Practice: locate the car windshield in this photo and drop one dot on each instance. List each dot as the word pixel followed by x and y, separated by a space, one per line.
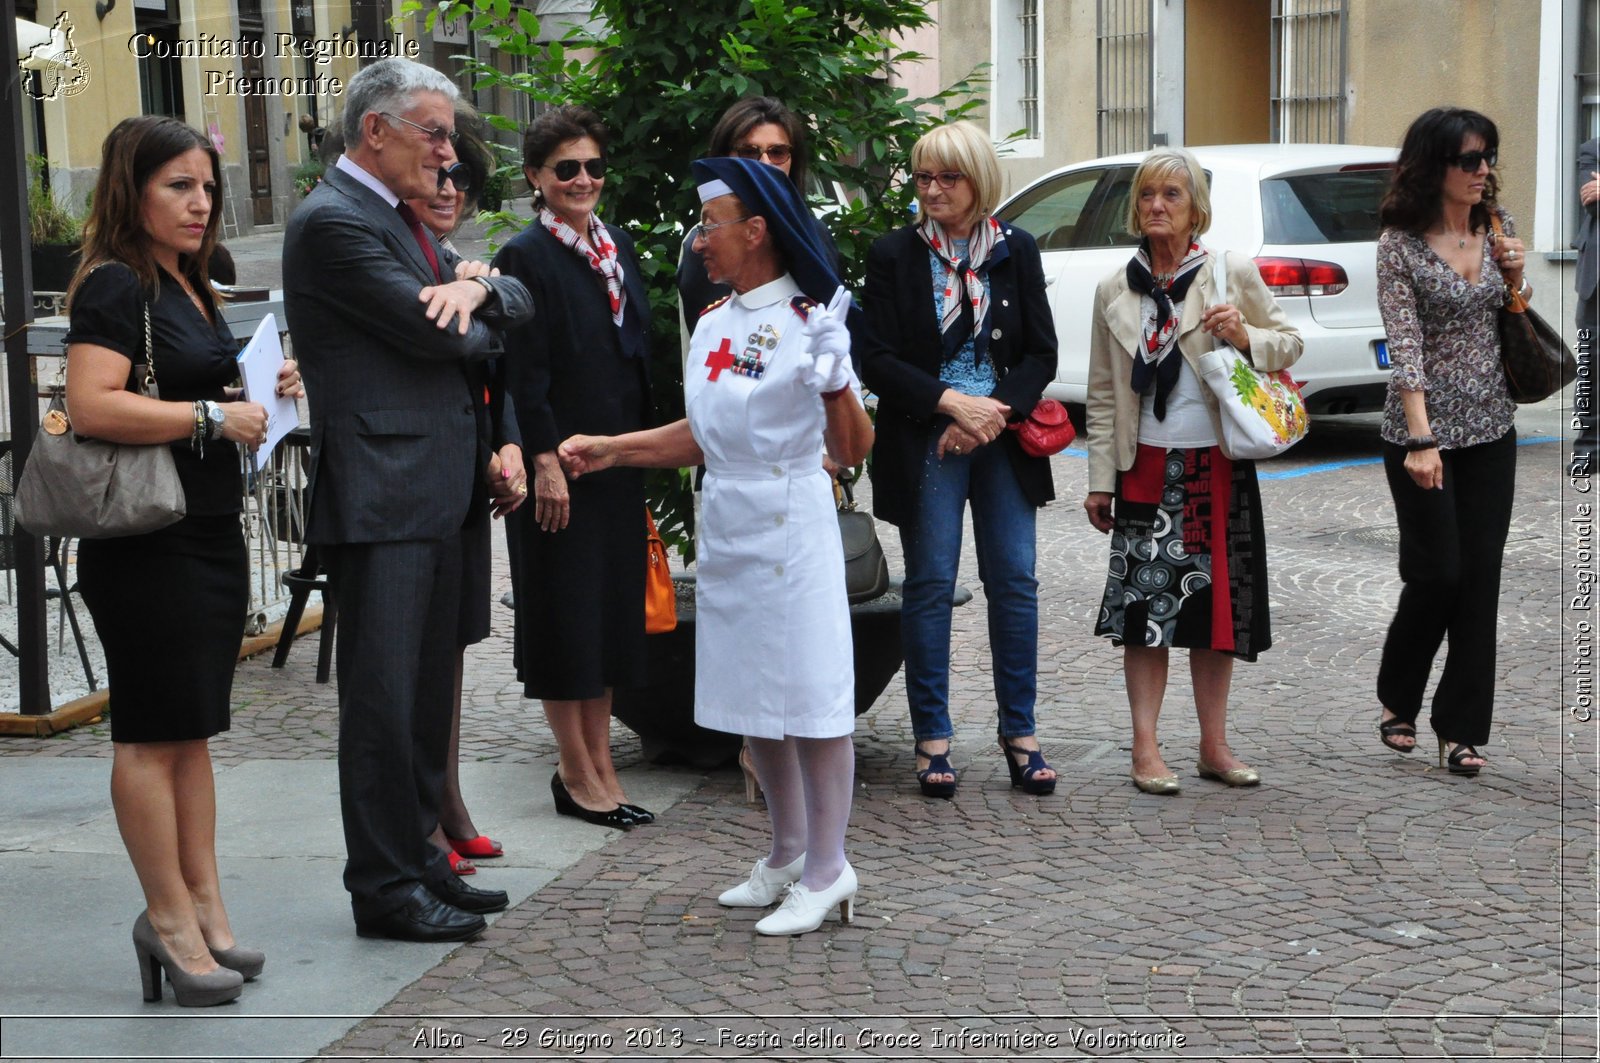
pixel 1340 207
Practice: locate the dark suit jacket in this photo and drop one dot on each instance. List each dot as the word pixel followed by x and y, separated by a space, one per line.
pixel 394 430
pixel 902 356
pixel 1589 231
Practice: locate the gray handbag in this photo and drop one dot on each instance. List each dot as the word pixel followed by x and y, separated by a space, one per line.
pixel 81 488
pixel 866 573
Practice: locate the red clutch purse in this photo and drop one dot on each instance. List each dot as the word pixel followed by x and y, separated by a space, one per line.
pixel 1045 431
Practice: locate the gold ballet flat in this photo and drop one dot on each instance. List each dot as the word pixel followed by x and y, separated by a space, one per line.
pixel 1233 776
pixel 1156 784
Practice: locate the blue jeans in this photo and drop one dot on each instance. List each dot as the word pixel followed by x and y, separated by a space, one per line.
pixel 1003 531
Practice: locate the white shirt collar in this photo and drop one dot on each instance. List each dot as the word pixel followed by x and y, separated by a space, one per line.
pixel 367 179
pixel 774 291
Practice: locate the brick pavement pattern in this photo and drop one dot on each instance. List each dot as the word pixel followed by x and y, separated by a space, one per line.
pixel 1358 904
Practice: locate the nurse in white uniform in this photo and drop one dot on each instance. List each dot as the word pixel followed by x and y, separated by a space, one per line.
pixel 768 389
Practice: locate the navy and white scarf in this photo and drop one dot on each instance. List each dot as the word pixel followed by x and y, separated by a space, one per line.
pixel 1151 363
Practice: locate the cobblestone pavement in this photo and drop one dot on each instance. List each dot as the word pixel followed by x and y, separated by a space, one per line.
pixel 1358 904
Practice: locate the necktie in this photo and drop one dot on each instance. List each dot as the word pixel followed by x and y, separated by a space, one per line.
pixel 409 216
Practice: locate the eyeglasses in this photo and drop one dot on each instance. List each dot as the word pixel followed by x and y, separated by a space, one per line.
pixel 703 230
pixel 567 169
pixel 458 175
pixel 778 153
pixel 436 136
pixel 1469 161
pixel 947 179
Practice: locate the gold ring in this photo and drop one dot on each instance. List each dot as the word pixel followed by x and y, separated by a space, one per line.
pixel 522 489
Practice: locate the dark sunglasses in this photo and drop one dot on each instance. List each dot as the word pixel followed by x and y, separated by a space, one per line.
pixel 457 174
pixel 778 153
pixel 947 179
pixel 1469 161
pixel 567 169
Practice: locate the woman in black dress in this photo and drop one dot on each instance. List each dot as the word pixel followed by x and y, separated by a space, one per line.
pixel 580 367
pixel 169 606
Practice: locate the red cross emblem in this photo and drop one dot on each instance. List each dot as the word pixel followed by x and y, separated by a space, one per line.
pixel 720 359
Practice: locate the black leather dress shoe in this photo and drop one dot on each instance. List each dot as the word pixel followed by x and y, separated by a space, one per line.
pixel 423 917
pixel 469 898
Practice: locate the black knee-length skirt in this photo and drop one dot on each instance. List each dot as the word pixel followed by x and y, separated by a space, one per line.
pixel 169 608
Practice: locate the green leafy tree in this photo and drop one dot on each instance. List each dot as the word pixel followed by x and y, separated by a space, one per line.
pixel 660 72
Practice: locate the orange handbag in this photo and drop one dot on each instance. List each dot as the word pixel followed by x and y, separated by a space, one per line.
pixel 660 600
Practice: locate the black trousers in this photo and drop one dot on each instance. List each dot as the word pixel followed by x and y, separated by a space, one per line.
pixel 398 614
pixel 1584 391
pixel 1452 542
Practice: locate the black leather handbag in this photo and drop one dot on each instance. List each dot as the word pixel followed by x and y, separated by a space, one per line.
pixel 866 572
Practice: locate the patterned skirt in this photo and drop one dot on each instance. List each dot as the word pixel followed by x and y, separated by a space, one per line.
pixel 1188 555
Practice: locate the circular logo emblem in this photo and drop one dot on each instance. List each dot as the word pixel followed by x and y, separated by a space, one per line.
pixel 55 423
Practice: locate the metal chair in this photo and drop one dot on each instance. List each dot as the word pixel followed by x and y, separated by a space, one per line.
pixel 56 552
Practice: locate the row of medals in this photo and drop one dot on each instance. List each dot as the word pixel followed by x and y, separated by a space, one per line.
pixel 748 362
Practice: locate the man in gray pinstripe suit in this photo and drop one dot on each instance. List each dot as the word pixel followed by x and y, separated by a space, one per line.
pixel 384 326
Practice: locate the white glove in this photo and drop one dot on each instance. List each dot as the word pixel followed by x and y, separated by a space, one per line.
pixel 828 341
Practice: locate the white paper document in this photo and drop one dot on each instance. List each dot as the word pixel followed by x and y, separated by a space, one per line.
pixel 258 369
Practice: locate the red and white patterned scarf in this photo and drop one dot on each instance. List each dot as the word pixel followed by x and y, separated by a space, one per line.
pixel 596 247
pixel 967 273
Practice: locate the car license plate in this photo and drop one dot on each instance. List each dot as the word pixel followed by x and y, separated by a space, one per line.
pixel 1381 349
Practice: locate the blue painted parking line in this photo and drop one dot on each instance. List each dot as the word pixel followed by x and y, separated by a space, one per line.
pixel 1334 466
pixel 1325 466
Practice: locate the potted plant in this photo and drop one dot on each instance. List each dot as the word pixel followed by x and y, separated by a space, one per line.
pixel 306 177
pixel 53 230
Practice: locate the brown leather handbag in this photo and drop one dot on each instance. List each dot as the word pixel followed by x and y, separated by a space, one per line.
pixel 1537 361
pixel 660 599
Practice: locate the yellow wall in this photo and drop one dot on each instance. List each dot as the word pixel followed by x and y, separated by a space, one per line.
pixel 1227 71
pixel 1406 58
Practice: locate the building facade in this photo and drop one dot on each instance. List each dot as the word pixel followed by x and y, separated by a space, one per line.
pixel 1075 79
pixel 264 78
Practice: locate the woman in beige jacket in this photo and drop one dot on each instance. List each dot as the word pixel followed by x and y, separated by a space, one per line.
pixel 1188 551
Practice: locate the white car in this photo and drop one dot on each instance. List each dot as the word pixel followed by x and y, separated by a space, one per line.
pixel 1307 213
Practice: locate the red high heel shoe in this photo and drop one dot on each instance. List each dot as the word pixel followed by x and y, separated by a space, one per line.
pixel 460 864
pixel 482 847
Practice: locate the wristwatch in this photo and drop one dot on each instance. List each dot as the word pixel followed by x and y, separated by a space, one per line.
pixel 487 287
pixel 214 419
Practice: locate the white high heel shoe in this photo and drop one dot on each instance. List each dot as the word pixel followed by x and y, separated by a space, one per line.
pixel 804 910
pixel 764 885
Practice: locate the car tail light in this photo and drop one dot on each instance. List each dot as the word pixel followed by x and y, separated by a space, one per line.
pixel 1302 276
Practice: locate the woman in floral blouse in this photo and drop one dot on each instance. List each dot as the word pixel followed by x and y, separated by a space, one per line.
pixel 1449 449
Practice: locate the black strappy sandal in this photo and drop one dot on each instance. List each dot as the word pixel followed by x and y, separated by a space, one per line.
pixel 1456 760
pixel 1397 728
pixel 1026 776
pixel 938 764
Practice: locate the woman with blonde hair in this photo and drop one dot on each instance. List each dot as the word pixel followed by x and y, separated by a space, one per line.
pixel 1188 551
pixel 960 342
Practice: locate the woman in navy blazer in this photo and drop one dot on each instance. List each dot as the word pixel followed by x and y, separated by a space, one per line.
pixel 959 342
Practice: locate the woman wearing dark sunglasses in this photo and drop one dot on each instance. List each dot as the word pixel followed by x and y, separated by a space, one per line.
pixel 959 342
pixel 580 366
pixel 1449 448
pixel 761 129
